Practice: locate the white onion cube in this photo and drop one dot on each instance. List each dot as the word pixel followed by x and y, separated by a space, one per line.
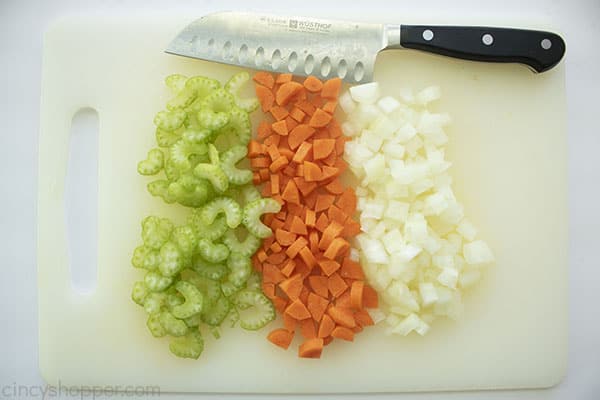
pixel 345 101
pixel 365 93
pixel 388 104
pixel 428 293
pixel 392 241
pixel 448 277
pixel 477 252
pixel 467 230
pixel 428 95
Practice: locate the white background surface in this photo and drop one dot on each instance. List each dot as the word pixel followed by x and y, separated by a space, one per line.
pixel 22 24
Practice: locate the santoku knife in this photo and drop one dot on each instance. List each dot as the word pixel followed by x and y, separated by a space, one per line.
pixel 329 48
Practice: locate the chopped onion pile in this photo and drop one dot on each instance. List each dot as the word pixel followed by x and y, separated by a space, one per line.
pixel 416 247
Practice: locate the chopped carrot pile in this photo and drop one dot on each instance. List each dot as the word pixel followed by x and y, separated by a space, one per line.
pixel 306 265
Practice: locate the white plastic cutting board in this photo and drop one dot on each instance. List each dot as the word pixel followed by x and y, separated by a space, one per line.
pixel 507 145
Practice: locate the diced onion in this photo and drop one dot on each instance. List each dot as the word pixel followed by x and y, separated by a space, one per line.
pixel 416 247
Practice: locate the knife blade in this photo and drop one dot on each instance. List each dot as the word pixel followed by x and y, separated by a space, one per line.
pixel 331 48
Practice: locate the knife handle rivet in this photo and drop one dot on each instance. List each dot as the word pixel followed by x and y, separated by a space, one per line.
pixel 487 39
pixel 428 34
pixel 546 44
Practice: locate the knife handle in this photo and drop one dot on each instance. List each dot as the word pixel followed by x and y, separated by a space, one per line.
pixel 538 49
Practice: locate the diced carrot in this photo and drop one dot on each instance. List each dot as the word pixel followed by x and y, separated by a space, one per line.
pixel 286 92
pixel 363 318
pixel 322 222
pixel 308 257
pixel 319 119
pixel 263 130
pixel 285 238
pixel 321 133
pixel 297 114
pixel 280 304
pixel 283 78
pixel 337 215
pixel 317 101
pixel 331 88
pixel 300 170
pixel 284 151
pixel 329 172
pixel 330 106
pixel 291 123
pixel 299 134
pixel 351 269
pixel 289 171
pixel 295 247
pixel 316 306
pixel 336 285
pixel 272 140
pixel 281 337
pixel 276 258
pixel 356 294
pixel 326 326
pixel 324 201
pixel 279 113
pixel 273 152
pixel 322 148
pixel 333 230
pixel 347 201
pixel 302 152
pixel 312 172
pixel 307 328
pixel 343 300
pixel 261 255
pixel 313 84
pixel 311 199
pixel 303 269
pixel 370 299
pixel 336 248
pixel 280 127
pixel 313 241
pixel 276 224
pixel 330 159
pixel 311 348
pixel 310 218
pixel 304 187
pixel 256 178
pixel 255 149
pixel 266 191
pixel 278 164
pixel 306 106
pixel 265 97
pixel 290 193
pixel 289 322
pixel 260 162
pixel 275 247
pixel 342 316
pixel 335 130
pixel 351 228
pixel 271 274
pixel 318 283
pixel 297 310
pixel 264 78
pixel 334 187
pixel 329 266
pixel 288 268
pixel 268 289
pixel 298 226
pixel 264 174
pixel 340 144
pixel 340 332
pixel 292 286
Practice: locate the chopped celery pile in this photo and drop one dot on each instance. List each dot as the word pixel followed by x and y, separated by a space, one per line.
pixel 199 273
pixel 201 136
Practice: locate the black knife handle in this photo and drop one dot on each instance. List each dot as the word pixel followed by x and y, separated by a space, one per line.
pixel 538 49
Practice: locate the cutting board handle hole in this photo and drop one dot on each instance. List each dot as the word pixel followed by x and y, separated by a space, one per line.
pixel 81 200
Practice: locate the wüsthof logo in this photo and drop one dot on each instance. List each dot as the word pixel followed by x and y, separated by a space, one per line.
pixel 293 23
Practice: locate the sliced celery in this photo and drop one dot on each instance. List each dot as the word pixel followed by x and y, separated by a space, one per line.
pixel 154 326
pixel 247 247
pixel 170 120
pixel 228 160
pixel 156 282
pixel 139 293
pixel 234 85
pixel 214 271
pixel 252 213
pixel 217 312
pixel 156 231
pixel 173 325
pixel 193 300
pixel 255 309
pixel 213 252
pixel 171 259
pixel 225 205
pixel 175 82
pixel 188 346
pixel 153 163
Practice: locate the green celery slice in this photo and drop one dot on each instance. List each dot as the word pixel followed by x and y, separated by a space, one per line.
pixel 171 259
pixel 154 326
pixel 173 326
pixel 139 293
pixel 170 120
pixel 240 267
pixel 156 282
pixel 213 252
pixel 176 82
pixel 214 271
pixel 252 213
pixel 255 309
pixel 228 160
pixel 247 247
pixel 193 300
pixel 217 312
pixel 153 163
pixel 156 231
pixel 189 346
pixel 225 205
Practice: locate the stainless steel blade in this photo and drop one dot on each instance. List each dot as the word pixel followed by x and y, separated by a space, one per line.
pixel 302 46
